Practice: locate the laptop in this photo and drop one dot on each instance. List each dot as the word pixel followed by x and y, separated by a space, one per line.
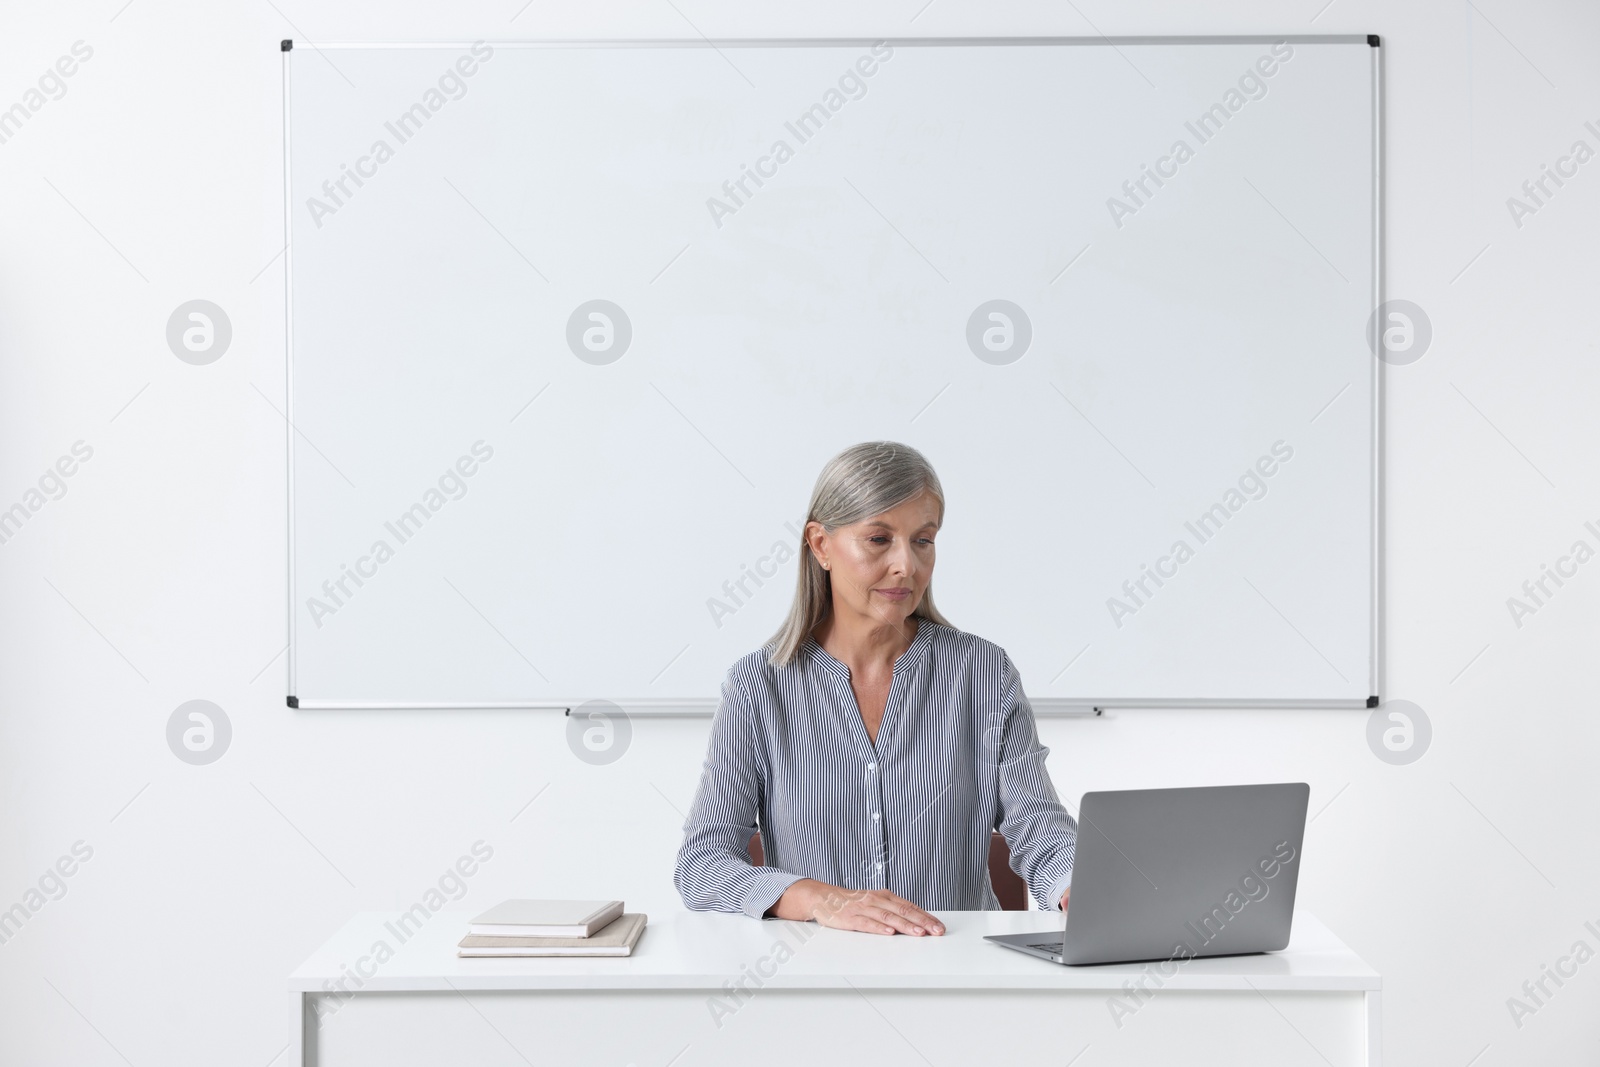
pixel 1162 874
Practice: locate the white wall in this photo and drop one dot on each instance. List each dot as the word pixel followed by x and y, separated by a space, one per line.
pixel 158 577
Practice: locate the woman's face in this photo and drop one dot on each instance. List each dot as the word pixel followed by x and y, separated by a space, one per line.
pixel 880 567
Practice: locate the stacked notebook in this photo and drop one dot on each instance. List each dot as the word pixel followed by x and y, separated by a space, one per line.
pixel 553 928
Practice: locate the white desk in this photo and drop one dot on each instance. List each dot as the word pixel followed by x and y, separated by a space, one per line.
pixel 824 996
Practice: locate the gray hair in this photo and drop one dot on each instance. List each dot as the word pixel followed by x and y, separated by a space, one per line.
pixel 859 483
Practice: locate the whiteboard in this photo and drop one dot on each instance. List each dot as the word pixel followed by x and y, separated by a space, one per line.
pixel 573 327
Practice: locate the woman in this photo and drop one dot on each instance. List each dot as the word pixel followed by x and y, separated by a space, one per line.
pixel 876 746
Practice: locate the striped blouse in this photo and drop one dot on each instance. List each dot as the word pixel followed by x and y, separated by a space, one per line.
pixel 956 757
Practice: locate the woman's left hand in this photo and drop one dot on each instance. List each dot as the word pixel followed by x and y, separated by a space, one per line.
pixel 1064 897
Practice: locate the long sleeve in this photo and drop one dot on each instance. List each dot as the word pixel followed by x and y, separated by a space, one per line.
pixel 1038 830
pixel 714 872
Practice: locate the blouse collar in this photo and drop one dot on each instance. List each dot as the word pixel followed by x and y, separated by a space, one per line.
pixel 908 661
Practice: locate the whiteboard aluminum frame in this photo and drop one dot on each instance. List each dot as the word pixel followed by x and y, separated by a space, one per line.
pixel 701 707
pixel 288 363
pixel 1043 706
pixel 1379 291
pixel 854 42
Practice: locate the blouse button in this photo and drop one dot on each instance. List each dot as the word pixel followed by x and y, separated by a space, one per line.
pixel 875 815
pixel 872 766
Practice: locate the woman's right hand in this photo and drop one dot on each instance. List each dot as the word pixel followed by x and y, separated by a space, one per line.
pixel 871 911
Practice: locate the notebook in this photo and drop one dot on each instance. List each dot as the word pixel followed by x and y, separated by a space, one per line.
pixel 545 918
pixel 617 939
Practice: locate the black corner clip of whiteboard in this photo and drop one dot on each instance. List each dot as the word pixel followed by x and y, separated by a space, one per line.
pixel 294 702
pixel 1372 702
pixel 287 45
pixel 1372 40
